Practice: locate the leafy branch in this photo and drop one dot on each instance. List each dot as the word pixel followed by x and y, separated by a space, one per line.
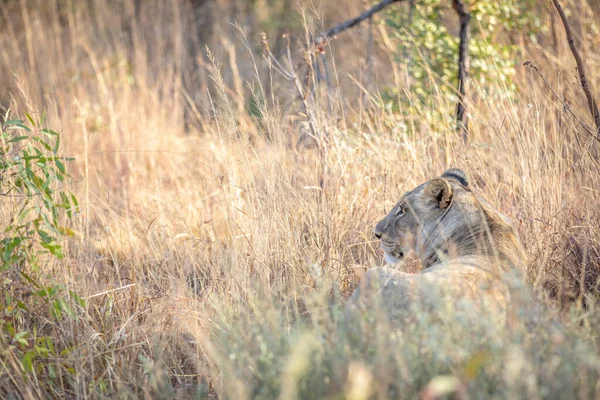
pixel 33 178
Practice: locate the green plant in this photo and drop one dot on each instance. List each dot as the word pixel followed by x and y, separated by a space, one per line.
pixel 430 53
pixel 33 181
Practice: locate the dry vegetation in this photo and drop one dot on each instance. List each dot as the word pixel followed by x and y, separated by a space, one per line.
pixel 215 247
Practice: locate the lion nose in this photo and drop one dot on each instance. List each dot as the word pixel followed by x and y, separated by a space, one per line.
pixel 379 228
pixel 377 233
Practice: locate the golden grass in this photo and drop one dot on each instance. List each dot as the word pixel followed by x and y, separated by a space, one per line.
pixel 209 239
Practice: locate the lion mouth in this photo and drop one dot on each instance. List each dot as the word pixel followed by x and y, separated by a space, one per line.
pixel 393 259
pixel 393 254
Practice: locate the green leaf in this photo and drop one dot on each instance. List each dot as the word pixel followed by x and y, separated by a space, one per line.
pixel 10 328
pixel 66 352
pixel 50 345
pixel 74 201
pixel 19 126
pixel 43 143
pixel 77 299
pixel 21 338
pixel 17 139
pixel 56 310
pixel 30 279
pixel 24 214
pixel 27 361
pixel 60 166
pixel 49 132
pixel 30 118
pixel 56 145
pixel 66 309
pixel 54 249
pixel 52 371
pixel 66 231
pixel 22 305
pixel 42 351
pixel 10 244
pixel 45 237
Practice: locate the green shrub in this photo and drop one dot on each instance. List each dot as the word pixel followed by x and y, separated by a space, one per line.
pixel 316 355
pixel 429 53
pixel 35 207
pixel 33 181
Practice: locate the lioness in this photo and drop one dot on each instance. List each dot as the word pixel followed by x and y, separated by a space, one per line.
pixel 464 245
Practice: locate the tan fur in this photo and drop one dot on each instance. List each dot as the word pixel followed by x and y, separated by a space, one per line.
pixel 464 245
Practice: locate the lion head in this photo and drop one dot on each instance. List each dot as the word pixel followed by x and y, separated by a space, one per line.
pixel 443 219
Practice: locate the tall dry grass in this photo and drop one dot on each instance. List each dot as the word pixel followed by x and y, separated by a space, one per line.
pixel 215 249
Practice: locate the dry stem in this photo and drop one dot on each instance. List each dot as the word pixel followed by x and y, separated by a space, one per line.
pixel 580 67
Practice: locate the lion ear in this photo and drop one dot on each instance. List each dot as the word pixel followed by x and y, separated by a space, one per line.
pixel 440 191
pixel 459 175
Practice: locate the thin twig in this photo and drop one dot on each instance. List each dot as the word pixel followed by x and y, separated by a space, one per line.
pixel 109 291
pixel 463 59
pixel 323 58
pixel 272 60
pixel 580 67
pixel 354 21
pixel 290 74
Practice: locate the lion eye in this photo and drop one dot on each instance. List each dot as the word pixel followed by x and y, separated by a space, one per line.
pixel 399 212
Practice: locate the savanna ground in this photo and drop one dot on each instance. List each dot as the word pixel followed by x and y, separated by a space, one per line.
pixel 215 240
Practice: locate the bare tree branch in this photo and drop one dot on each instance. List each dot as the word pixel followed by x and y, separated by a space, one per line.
pixel 463 60
pixel 463 55
pixel 351 22
pixel 580 67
